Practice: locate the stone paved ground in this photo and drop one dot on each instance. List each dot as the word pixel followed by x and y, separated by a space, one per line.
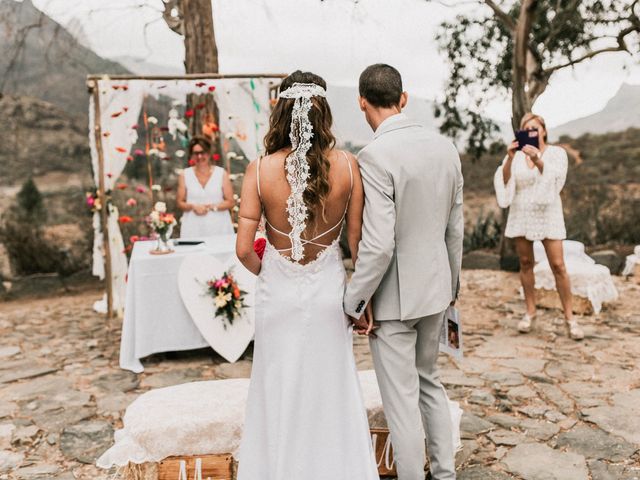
pixel 537 407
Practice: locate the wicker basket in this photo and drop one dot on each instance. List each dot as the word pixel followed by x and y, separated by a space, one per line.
pixel 550 299
pixel 224 467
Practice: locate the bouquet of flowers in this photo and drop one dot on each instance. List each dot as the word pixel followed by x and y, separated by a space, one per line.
pixel 227 297
pixel 162 222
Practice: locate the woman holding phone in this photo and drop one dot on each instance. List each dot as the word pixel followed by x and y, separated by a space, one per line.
pixel 529 181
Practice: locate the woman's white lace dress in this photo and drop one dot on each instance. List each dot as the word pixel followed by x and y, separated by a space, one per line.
pixel 534 197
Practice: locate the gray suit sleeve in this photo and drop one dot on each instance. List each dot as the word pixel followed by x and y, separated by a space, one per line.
pixel 454 235
pixel 377 244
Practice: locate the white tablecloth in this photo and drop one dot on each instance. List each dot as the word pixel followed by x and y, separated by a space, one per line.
pixel 155 318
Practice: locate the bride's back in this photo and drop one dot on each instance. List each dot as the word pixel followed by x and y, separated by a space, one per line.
pixel 327 220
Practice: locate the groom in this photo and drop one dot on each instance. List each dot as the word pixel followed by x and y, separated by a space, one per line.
pixel 407 270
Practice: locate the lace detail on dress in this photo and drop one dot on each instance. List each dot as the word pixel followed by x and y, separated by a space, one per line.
pixel 296 164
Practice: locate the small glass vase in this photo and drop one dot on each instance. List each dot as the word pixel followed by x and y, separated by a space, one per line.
pixel 163 241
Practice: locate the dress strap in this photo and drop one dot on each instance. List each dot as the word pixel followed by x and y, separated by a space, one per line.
pixel 351 182
pixel 258 177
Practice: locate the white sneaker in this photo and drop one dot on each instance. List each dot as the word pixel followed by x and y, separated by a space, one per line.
pixel 524 325
pixel 575 331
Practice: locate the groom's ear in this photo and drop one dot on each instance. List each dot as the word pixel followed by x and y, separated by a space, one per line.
pixel 363 103
pixel 404 98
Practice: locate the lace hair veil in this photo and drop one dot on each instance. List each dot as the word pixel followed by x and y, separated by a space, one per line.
pixel 296 164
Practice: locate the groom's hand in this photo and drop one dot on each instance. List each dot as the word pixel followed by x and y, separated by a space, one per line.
pixel 359 324
pixel 368 314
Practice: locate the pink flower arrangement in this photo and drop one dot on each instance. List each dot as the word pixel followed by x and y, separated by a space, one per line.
pixel 140 189
pixel 132 202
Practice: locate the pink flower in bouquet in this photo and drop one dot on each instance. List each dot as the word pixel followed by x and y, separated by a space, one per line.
pixel 140 189
pixel 138 153
pixel 90 200
pixel 134 238
pixel 132 202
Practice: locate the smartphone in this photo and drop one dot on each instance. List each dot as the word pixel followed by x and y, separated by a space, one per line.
pixel 527 137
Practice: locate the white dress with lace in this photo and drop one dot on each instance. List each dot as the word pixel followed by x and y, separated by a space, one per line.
pixel 305 415
pixel 533 197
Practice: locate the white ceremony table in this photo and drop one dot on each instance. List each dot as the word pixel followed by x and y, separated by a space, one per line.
pixel 155 317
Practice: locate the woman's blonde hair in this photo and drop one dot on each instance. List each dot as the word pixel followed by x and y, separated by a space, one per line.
pixel 532 116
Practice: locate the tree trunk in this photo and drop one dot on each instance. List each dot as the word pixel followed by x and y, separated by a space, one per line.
pixel 520 105
pixel 200 56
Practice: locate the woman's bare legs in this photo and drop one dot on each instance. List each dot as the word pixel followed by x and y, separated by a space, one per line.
pixel 524 248
pixel 555 255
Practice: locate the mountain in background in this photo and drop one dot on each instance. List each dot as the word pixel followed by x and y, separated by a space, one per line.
pixel 140 66
pixel 40 58
pixel 620 113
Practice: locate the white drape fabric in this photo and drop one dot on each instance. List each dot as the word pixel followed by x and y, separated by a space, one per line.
pixel 244 115
pixel 632 261
pixel 588 279
pixel 200 418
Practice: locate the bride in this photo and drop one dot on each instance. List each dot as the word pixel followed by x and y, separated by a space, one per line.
pixel 305 415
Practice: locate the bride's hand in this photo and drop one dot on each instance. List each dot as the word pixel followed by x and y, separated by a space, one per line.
pixel 368 314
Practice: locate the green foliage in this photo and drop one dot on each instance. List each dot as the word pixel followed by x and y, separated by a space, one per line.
pixel 30 202
pixel 480 49
pixel 484 234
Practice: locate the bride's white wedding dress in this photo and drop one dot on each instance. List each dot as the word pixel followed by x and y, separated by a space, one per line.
pixel 305 417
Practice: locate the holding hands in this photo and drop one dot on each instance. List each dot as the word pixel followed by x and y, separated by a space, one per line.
pixel 364 325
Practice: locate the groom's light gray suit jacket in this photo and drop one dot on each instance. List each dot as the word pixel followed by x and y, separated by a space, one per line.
pixel 411 247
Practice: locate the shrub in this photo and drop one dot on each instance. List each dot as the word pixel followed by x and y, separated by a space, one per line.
pixel 484 234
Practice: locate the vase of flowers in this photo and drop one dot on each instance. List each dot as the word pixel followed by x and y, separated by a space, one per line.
pixel 162 224
pixel 227 296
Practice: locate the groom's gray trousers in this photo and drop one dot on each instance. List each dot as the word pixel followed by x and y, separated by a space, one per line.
pixel 404 356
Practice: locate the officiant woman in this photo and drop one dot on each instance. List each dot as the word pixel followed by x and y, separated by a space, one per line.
pixel 205 194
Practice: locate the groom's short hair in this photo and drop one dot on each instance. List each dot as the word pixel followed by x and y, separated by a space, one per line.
pixel 381 85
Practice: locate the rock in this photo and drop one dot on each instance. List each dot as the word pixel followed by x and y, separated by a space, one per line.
pixel 173 377
pixel 534 410
pixel 52 439
pixel 504 379
pixel 114 405
pixel 596 444
pixel 9 351
pixel 37 471
pixel 608 258
pixel 519 394
pixel 25 435
pixel 507 437
pixel 27 371
pixel 621 419
pixel 469 447
pixel 65 476
pixel 241 369
pixel 10 460
pixel 603 471
pixel 554 416
pixel 482 397
pixel 504 421
pixel 481 260
pixel 556 396
pixel 459 379
pixel 120 381
pixel 533 461
pixel 49 385
pixel 525 365
pixel 7 409
pixel 471 426
pixel 539 429
pixel 64 408
pixel 481 473
pixel 86 441
pixel 6 433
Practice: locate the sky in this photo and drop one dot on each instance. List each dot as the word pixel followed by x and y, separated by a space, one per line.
pixel 334 38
